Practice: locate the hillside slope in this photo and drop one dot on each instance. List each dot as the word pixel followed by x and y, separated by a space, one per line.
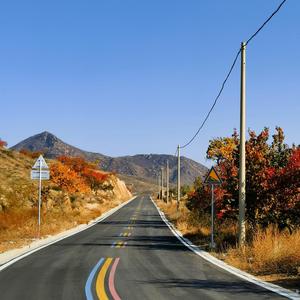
pixel 61 209
pixel 143 166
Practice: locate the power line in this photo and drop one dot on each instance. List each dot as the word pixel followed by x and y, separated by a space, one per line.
pixel 265 23
pixel 229 73
pixel 215 102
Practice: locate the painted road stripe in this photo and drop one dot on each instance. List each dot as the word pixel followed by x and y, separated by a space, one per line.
pixel 58 238
pixel 111 280
pixel 121 244
pixel 113 245
pixel 100 287
pixel 88 285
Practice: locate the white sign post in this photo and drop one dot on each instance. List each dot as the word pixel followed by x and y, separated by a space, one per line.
pixel 212 179
pixel 40 171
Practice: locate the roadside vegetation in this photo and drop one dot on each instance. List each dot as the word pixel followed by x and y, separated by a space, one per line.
pixel 272 206
pixel 76 193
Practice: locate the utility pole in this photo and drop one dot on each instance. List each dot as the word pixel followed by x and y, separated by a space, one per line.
pixel 168 184
pixel 178 176
pixel 162 183
pixel 242 170
pixel 158 182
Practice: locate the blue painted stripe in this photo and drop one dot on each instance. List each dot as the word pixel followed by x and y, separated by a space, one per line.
pixel 113 245
pixel 89 282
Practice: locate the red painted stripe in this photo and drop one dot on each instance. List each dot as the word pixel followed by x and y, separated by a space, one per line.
pixel 111 282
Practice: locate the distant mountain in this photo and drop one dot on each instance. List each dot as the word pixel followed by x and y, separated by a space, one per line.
pixel 138 167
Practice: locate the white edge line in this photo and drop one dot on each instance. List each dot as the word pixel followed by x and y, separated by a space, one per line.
pixel 269 286
pixel 92 223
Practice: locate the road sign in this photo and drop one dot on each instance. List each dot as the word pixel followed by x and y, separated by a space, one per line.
pixel 40 163
pixel 212 177
pixel 35 175
pixel 38 172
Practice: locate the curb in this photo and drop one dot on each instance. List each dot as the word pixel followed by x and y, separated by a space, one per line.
pixel 47 243
pixel 237 272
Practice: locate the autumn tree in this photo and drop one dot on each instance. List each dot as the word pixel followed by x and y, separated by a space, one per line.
pixel 272 179
pixel 67 179
pixel 87 171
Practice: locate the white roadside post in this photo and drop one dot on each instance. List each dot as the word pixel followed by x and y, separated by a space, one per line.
pixel 212 179
pixel 40 171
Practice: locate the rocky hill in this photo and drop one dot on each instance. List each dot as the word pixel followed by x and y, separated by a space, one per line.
pixel 145 167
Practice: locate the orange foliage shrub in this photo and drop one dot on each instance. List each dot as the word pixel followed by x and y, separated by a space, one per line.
pixel 95 178
pixel 78 164
pixel 2 144
pixel 31 154
pixel 89 172
pixel 67 179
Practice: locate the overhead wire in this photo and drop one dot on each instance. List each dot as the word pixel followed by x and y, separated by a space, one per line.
pixel 229 73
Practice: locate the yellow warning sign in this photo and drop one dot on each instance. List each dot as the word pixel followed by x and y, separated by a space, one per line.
pixel 212 177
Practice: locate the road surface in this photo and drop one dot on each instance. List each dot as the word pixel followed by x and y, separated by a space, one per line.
pixel 130 255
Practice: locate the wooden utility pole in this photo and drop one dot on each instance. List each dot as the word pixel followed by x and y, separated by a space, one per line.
pixel 168 183
pixel 162 183
pixel 178 176
pixel 242 167
pixel 158 182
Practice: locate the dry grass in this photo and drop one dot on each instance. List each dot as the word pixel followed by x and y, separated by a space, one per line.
pixel 61 211
pixel 186 223
pixel 272 255
pixel 19 227
pixel 271 252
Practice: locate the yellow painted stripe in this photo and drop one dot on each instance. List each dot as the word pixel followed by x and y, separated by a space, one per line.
pixel 100 287
pixel 119 245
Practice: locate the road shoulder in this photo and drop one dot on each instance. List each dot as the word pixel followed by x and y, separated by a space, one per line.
pixel 9 257
pixel 241 274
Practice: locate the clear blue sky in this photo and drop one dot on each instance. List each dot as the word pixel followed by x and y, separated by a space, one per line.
pixel 127 77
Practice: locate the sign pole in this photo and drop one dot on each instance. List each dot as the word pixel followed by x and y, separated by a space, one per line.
pixel 212 179
pixel 212 244
pixel 40 171
pixel 40 199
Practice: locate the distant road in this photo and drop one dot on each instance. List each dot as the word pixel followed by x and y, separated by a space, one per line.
pixel 130 255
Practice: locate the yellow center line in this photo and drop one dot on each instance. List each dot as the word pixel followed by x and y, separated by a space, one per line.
pixel 119 245
pixel 100 288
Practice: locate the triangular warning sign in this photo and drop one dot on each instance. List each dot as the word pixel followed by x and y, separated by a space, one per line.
pixel 212 177
pixel 40 162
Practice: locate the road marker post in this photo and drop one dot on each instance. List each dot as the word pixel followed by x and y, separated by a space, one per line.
pixel 212 179
pixel 40 171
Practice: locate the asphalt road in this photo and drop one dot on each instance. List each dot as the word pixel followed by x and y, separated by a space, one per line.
pixel 130 255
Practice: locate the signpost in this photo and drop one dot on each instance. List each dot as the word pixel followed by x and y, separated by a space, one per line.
pixel 40 171
pixel 212 179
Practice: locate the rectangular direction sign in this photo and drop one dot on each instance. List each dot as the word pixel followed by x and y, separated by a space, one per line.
pixel 35 175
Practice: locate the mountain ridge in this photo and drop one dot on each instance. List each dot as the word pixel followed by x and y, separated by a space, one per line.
pixel 139 166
